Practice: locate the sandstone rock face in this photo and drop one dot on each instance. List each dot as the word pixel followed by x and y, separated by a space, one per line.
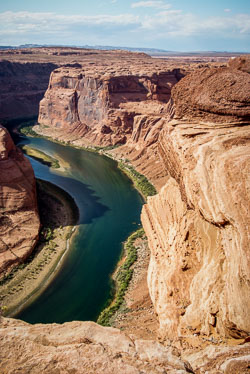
pixel 198 225
pixel 215 360
pixel 241 63
pixel 81 347
pixel 19 221
pixel 101 105
pixel 22 86
pixel 215 95
pixel 85 347
pixel 122 103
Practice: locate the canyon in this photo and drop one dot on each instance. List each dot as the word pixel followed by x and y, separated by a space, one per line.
pixel 186 127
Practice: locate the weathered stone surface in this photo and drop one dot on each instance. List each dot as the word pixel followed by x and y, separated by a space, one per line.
pixel 102 105
pixel 198 225
pixel 85 347
pixel 80 347
pixel 241 63
pixel 19 221
pixel 215 95
pixel 216 360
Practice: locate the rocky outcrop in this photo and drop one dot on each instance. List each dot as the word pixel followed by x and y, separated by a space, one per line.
pixel 85 347
pixel 214 95
pixel 25 73
pixel 19 221
pixel 81 347
pixel 122 103
pixel 102 105
pixel 240 63
pixel 198 225
pixel 22 86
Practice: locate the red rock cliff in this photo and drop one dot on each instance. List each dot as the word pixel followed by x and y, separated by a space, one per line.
pixel 198 225
pixel 100 105
pixel 19 221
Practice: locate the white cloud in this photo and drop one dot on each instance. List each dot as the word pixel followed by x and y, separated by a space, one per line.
pixel 151 4
pixel 121 29
pixel 227 10
pixel 177 23
pixel 25 17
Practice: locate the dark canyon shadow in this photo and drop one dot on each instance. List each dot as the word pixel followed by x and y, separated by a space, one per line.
pixel 88 206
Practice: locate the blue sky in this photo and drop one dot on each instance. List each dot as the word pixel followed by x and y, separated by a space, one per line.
pixel 176 25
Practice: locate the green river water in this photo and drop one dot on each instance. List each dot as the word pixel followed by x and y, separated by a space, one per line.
pixel 109 208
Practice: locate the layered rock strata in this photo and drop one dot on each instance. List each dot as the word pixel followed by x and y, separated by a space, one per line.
pixel 22 86
pixel 24 73
pixel 19 221
pixel 103 106
pixel 198 225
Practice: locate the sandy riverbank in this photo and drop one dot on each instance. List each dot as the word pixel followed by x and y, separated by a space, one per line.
pixel 59 215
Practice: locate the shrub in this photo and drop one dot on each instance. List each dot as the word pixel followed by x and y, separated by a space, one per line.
pixel 123 278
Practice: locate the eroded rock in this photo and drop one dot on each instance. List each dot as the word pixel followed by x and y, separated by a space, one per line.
pixel 80 347
pixel 19 221
pixel 198 225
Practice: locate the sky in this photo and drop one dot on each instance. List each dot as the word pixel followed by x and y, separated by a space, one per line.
pixel 174 25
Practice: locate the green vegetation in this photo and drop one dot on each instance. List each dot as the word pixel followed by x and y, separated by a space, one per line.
pixel 27 131
pixel 122 279
pixel 19 122
pixel 40 156
pixel 106 148
pixel 140 181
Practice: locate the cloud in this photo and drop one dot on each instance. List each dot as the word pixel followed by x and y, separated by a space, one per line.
pixel 43 20
pixel 151 4
pixel 176 23
pixel 227 10
pixel 162 26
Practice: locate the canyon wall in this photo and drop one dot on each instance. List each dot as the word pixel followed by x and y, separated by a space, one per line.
pixel 198 225
pixel 119 104
pixel 22 86
pixel 19 221
pixel 101 105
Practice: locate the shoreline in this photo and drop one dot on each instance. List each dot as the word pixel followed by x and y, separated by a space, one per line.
pixel 28 280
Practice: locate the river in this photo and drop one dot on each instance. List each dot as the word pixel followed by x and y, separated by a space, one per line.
pixel 109 208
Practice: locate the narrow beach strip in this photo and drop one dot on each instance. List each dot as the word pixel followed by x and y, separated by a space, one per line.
pixel 40 156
